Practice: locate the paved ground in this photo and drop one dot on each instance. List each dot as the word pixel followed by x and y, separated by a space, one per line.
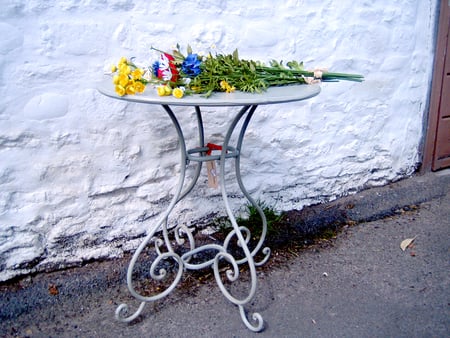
pixel 360 284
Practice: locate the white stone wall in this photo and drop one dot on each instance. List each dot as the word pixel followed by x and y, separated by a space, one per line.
pixel 83 176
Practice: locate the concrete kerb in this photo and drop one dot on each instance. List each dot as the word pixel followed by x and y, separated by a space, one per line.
pixel 384 201
pixel 371 204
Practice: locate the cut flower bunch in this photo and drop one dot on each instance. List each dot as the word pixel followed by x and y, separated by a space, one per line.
pixel 178 75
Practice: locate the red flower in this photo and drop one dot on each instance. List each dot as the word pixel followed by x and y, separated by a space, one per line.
pixel 167 69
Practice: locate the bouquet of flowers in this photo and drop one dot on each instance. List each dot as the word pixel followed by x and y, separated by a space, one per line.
pixel 178 75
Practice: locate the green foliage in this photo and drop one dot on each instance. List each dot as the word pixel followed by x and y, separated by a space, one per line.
pixel 252 220
pixel 227 72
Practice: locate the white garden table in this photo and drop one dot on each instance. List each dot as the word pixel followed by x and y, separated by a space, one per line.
pixel 159 233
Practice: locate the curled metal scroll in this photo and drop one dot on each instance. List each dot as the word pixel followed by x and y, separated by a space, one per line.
pixel 183 235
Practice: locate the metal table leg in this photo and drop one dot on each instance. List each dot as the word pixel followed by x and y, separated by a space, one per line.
pixel 164 248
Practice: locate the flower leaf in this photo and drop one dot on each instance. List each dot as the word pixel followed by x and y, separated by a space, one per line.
pixel 295 65
pixel 236 56
pixel 178 56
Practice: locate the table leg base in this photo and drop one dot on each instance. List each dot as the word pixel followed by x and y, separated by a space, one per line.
pixel 239 235
pixel 122 312
pixel 231 272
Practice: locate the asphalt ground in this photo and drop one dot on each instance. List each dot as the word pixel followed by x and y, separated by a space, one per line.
pixel 356 283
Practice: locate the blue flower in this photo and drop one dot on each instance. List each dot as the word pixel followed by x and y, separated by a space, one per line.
pixel 155 67
pixel 191 65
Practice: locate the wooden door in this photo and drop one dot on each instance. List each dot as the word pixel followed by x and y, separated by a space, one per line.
pixel 437 147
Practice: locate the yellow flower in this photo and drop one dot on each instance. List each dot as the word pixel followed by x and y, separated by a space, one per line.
pixel 116 79
pixel 161 91
pixel 120 90
pixel 139 86
pixel 113 68
pixel 167 90
pixel 164 90
pixel 178 93
pixel 137 74
pixel 123 60
pixel 124 69
pixel 230 89
pixel 130 90
pixel 226 87
pixel 123 80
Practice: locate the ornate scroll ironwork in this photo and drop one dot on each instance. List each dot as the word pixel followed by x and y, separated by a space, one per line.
pixel 164 247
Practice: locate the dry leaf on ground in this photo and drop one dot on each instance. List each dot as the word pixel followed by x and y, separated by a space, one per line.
pixel 407 242
pixel 53 290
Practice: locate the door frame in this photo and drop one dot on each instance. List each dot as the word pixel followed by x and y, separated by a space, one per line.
pixel 436 87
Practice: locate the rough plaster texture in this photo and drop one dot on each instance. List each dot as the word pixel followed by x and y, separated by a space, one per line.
pixel 83 176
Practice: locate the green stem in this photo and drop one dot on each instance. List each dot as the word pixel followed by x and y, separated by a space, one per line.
pixel 158 50
pixel 325 75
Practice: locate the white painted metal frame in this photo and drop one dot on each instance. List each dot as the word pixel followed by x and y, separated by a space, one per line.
pixel 164 248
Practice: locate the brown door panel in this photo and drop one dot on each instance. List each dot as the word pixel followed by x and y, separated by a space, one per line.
pixel 443 139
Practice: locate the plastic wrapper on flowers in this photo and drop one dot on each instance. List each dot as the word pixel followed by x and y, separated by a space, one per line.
pixel 179 75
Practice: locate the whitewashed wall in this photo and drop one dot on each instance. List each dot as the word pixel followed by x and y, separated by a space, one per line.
pixel 83 176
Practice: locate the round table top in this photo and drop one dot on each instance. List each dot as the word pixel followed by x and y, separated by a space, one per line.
pixel 272 95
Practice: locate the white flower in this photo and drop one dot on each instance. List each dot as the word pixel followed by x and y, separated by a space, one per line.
pixel 147 74
pixel 164 66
